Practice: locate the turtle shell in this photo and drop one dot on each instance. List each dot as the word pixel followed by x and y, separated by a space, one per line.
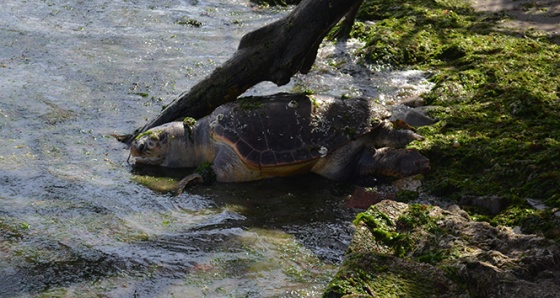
pixel 284 129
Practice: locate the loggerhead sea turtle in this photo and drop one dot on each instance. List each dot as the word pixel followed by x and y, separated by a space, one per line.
pixel 286 134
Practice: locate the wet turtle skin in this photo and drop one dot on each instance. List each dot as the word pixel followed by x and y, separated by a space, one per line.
pixel 286 134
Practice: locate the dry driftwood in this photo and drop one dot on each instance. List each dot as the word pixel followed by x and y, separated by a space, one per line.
pixel 272 53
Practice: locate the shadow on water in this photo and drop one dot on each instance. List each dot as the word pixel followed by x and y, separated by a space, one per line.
pixel 268 204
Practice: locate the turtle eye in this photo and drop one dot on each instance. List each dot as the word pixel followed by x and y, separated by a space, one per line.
pixel 164 137
pixel 141 147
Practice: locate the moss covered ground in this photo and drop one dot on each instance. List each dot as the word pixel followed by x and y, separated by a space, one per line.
pixel 496 95
pixel 415 250
pixel 497 98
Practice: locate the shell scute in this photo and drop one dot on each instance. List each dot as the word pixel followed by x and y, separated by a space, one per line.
pixel 284 129
pixel 268 158
pixel 302 154
pixel 243 148
pixel 285 157
pixel 254 156
pixel 233 137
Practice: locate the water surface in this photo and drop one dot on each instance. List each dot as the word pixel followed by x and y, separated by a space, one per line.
pixel 73 219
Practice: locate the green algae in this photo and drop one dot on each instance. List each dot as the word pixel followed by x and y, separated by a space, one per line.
pixel 448 255
pixel 158 184
pixel 540 222
pixel 153 134
pixel 205 170
pixel 406 196
pixel 189 22
pixel 189 121
pixel 189 124
pixel 397 237
pixel 11 229
pixel 250 103
pixel 375 275
pixel 388 264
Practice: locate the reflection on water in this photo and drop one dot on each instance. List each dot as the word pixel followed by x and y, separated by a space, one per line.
pixel 74 222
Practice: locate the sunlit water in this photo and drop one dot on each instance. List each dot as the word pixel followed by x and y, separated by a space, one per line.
pixel 73 221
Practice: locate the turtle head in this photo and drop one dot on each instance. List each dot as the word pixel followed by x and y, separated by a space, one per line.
pixel 151 147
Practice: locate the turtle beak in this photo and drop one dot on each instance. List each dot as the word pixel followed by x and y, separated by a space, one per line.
pixel 136 149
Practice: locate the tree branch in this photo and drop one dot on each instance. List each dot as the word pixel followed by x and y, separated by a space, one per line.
pixel 272 53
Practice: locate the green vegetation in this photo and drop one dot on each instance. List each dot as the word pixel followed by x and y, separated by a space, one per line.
pixel 497 98
pixel 250 103
pixel 375 275
pixel 189 121
pixel 384 232
pixel 153 134
pixel 531 221
pixel 205 170
pixel 399 237
pixel 159 184
pixel 498 95
pixel 406 196
pixel 188 124
pixel 189 22
pixel 388 265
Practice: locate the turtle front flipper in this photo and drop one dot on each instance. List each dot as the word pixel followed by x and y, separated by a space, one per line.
pixel 204 174
pixel 391 162
pixel 191 179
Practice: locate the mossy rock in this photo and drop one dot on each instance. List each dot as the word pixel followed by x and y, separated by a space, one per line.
pixel 378 275
pixel 447 255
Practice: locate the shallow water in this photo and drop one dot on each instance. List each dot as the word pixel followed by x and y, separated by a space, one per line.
pixel 73 219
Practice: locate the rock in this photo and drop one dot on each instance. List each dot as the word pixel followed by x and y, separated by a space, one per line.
pixel 363 197
pixel 412 183
pixel 401 190
pixel 537 204
pixel 417 118
pixel 424 251
pixel 415 101
pixel 490 204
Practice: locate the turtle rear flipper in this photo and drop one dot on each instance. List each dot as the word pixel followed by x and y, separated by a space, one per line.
pixel 387 136
pixel 391 162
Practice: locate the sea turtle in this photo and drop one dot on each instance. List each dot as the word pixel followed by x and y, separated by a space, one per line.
pixel 286 134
